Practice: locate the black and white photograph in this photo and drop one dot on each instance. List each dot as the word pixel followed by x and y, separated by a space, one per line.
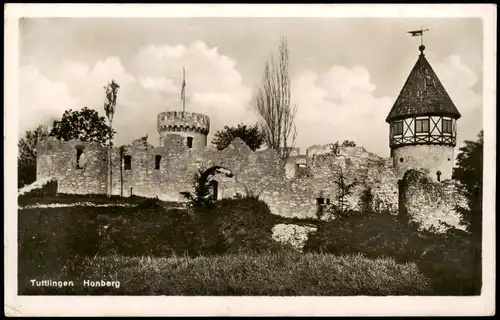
pixel 190 151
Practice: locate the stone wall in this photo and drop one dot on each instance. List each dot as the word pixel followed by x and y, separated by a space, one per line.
pixel 59 159
pixel 428 202
pixel 291 191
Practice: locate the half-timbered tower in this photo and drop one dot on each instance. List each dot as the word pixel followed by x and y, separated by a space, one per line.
pixel 423 124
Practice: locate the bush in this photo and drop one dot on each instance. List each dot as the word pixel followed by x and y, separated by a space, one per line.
pixel 451 260
pixel 374 235
pixel 237 225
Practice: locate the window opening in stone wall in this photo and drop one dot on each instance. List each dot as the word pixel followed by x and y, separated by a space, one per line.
pixel 189 142
pixel 446 126
pixel 438 174
pixel 401 159
pixel 320 201
pixel 428 82
pixel 157 162
pixel 397 128
pixel 422 125
pixel 79 153
pixel 127 162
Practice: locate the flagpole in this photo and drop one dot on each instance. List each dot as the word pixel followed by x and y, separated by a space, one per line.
pixel 183 90
pixel 422 38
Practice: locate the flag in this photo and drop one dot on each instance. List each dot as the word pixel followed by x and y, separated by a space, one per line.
pixel 183 84
pixel 416 33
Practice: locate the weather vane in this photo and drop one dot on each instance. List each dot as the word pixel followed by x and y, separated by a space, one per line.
pixel 419 33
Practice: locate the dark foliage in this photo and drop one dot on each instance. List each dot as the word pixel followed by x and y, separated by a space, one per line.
pixel 348 143
pixel 238 225
pixel 341 206
pixel 469 171
pixel 26 159
pixel 335 149
pixel 85 125
pixel 50 237
pixel 202 196
pixel 251 135
pixel 449 259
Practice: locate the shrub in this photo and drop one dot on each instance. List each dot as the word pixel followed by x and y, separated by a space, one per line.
pixel 237 225
pixel 451 260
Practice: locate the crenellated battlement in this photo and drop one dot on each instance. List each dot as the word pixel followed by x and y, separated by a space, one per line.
pixel 179 121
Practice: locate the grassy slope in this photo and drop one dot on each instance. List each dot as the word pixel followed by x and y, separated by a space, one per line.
pixel 281 274
pixel 52 239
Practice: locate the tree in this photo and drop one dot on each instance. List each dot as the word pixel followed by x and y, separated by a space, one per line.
pixel 85 125
pixel 335 148
pixel 26 160
pixel 110 107
pixel 348 143
pixel 251 135
pixel 202 196
pixel 469 171
pixel 274 105
pixel 344 190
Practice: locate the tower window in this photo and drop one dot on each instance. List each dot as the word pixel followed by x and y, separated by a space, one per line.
pixel 438 175
pixel 446 126
pixel 79 153
pixel 422 125
pixel 401 160
pixel 397 128
pixel 190 142
pixel 127 162
pixel 428 82
pixel 157 162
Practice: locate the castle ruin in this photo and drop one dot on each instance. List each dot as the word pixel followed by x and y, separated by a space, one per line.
pixel 423 130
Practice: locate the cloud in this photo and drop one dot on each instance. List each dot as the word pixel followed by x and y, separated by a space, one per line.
pixel 335 105
pixel 149 84
pixel 340 104
pixel 460 82
pixel 41 99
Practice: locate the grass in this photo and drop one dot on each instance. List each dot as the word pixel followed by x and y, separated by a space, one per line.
pixel 156 248
pixel 282 274
pixel 62 198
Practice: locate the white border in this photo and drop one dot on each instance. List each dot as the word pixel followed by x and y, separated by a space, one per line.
pixel 154 305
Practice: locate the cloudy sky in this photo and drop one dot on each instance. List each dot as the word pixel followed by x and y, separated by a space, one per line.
pixel 346 72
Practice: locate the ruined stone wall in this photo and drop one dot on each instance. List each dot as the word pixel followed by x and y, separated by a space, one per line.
pixel 430 157
pixel 291 191
pixel 297 195
pixel 253 171
pixel 59 159
pixel 428 202
pixel 366 169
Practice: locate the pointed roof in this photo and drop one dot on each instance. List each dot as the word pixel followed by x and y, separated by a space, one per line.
pixel 422 94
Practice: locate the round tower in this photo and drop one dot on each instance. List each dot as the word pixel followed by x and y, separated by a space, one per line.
pixel 191 127
pixel 423 124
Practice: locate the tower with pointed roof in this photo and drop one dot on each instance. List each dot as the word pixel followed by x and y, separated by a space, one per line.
pixel 423 124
